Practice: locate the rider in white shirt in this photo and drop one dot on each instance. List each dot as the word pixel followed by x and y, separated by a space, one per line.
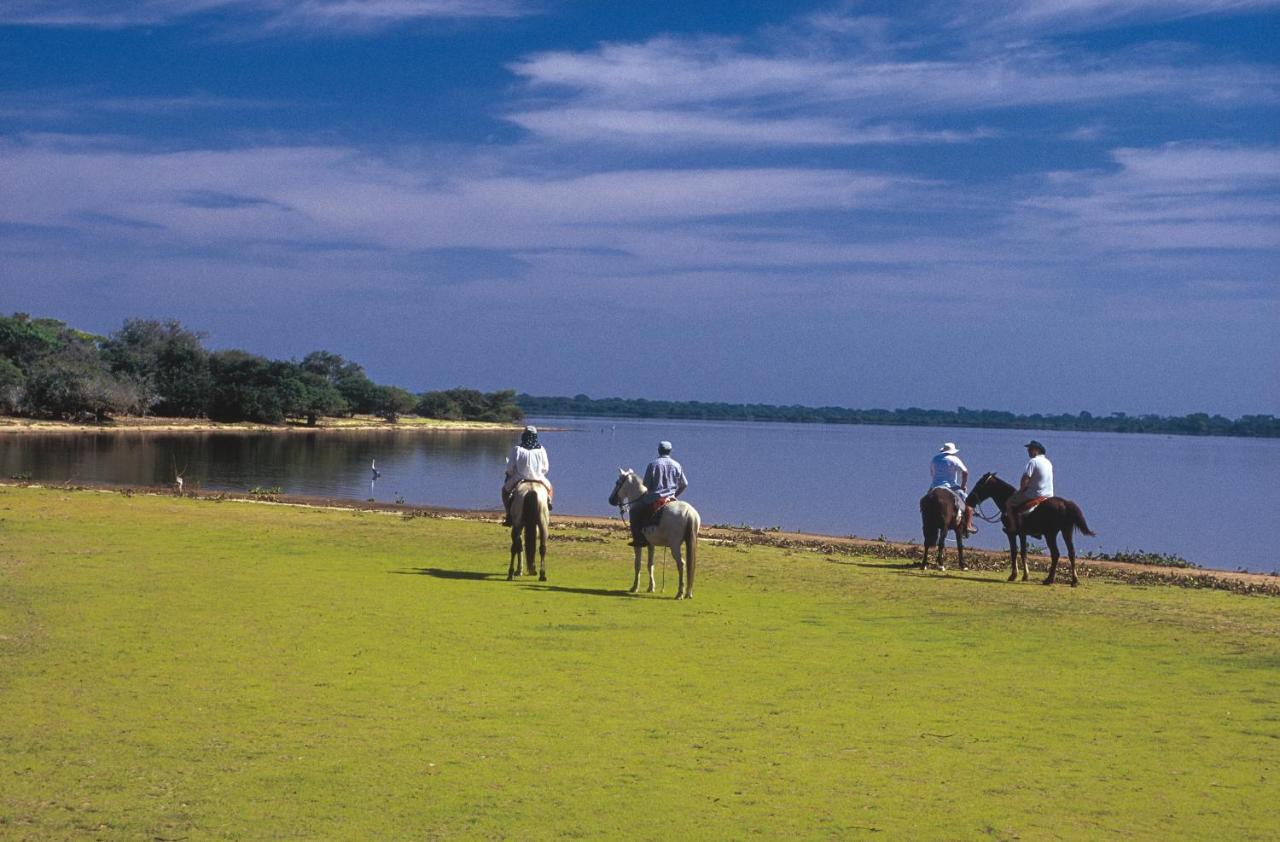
pixel 527 461
pixel 1037 481
pixel 946 470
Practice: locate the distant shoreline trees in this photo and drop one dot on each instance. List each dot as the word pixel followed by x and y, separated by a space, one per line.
pixel 1197 424
pixel 51 370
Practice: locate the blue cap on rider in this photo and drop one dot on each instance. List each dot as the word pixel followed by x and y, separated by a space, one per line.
pixel 664 447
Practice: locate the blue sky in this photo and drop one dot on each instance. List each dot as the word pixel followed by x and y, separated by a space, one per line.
pixel 1036 205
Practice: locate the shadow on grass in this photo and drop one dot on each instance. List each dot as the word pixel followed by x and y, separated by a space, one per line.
pixel 440 573
pixel 586 591
pixel 882 565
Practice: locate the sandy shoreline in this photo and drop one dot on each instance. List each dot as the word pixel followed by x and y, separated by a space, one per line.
pixel 358 424
pixel 977 559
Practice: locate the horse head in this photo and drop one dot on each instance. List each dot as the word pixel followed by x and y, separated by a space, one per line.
pixel 987 486
pixel 616 497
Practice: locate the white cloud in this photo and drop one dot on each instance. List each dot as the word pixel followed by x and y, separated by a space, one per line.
pixel 323 194
pixel 1082 15
pixel 701 91
pixel 272 14
pixel 673 127
pixel 1170 198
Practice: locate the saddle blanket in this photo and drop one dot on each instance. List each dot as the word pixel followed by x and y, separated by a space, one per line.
pixel 1030 506
pixel 655 514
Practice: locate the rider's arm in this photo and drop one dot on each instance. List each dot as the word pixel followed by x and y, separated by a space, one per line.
pixel 1026 477
pixel 682 484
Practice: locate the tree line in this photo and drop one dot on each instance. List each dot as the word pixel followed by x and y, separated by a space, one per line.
pixel 1196 424
pixel 51 370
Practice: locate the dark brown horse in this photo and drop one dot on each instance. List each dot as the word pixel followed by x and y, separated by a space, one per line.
pixel 1053 516
pixel 938 511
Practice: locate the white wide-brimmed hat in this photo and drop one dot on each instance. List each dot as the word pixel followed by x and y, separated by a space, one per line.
pixel 948 448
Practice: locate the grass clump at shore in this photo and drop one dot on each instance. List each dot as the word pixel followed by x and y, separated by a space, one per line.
pixel 182 668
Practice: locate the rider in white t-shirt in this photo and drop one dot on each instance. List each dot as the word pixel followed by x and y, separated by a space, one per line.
pixel 946 470
pixel 1037 481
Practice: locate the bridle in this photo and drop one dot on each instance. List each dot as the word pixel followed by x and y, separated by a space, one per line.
pixel 623 505
pixel 998 518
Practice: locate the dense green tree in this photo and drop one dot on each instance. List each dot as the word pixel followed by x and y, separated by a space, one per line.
pixel 320 397
pixel 359 393
pixel 12 387
pixel 394 402
pixel 247 387
pixel 468 404
pixel 72 382
pixel 24 340
pixel 168 362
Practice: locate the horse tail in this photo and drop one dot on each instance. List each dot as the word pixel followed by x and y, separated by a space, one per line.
pixel 691 527
pixel 1077 518
pixel 530 523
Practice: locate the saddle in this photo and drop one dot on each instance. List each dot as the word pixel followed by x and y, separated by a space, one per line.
pixel 655 514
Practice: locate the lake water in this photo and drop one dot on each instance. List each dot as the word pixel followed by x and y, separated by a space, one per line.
pixel 1201 498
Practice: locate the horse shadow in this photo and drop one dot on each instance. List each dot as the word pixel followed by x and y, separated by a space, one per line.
pixel 441 573
pixel 617 592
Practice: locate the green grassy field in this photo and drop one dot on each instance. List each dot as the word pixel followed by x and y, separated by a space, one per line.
pixel 180 669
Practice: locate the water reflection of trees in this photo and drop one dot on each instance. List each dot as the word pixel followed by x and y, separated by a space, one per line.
pixel 328 462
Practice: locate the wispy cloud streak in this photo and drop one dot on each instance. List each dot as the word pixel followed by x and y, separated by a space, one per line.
pixel 321 15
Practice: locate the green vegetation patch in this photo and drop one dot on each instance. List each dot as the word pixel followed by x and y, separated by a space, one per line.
pixel 173 668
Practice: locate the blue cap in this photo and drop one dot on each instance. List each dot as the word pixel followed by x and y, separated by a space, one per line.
pixel 664 447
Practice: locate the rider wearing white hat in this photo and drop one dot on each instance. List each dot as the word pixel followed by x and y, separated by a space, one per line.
pixel 947 471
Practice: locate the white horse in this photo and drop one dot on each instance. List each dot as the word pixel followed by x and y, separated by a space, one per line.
pixel 531 515
pixel 677 528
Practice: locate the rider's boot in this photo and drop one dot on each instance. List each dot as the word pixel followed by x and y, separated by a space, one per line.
pixel 969 528
pixel 637 527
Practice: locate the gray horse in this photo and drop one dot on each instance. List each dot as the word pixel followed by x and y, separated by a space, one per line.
pixel 677 529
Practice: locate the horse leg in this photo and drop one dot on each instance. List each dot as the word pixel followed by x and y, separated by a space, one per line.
pixel 679 559
pixel 1051 538
pixel 929 540
pixel 635 583
pixel 514 567
pixel 1071 554
pixel 542 552
pixel 690 559
pixel 960 548
pixel 1022 551
pixel 942 548
pixel 1013 556
pixel 651 549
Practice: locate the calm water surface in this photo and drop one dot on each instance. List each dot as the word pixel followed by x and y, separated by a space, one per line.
pixel 1205 499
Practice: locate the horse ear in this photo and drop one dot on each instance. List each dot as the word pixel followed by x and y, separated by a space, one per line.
pixel 622 472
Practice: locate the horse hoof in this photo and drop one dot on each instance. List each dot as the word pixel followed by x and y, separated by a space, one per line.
pixel 1075 583
pixel 542 577
pixel 1012 578
pixel 964 567
pixel 1047 582
pixel 509 577
pixel 942 567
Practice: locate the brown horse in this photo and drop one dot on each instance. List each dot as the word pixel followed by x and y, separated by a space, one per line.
pixel 938 512
pixel 1053 516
